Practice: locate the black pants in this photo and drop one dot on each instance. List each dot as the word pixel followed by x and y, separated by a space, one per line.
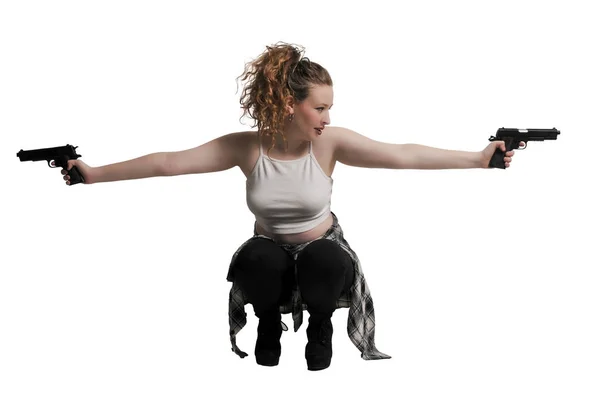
pixel 265 273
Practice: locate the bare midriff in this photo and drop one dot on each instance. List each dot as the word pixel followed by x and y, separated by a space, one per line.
pixel 301 237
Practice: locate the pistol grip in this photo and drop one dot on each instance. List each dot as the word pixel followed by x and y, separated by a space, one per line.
pixel 497 160
pixel 75 176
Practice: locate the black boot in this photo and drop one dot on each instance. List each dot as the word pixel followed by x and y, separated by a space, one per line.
pixel 318 349
pixel 268 348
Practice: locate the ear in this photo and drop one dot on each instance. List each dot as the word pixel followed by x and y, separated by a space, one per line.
pixel 289 104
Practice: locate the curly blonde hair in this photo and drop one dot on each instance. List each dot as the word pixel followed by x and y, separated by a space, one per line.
pixel 280 71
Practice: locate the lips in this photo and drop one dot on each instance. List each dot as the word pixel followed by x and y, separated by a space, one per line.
pixel 319 131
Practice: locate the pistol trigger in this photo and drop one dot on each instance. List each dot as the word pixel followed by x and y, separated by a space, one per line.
pixel 50 164
pixel 519 146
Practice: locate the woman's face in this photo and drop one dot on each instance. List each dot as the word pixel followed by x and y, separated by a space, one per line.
pixel 312 114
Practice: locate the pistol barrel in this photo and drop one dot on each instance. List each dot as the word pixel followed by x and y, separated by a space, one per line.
pixel 529 134
pixel 48 153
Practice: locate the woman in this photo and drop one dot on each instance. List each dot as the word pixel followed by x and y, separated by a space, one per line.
pixel 297 258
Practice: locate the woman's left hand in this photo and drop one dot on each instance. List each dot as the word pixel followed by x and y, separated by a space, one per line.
pixel 488 152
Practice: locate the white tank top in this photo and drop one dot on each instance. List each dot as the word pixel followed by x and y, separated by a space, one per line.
pixel 288 196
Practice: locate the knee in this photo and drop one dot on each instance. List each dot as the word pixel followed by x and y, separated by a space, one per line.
pixel 324 255
pixel 264 256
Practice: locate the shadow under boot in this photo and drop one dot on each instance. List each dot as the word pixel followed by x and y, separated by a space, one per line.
pixel 268 347
pixel 318 350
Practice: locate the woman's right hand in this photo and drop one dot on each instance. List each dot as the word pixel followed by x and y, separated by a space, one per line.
pixel 84 169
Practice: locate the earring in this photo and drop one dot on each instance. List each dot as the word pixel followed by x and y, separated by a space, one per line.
pixel 291 117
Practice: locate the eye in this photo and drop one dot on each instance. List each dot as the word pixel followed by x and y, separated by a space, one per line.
pixel 320 109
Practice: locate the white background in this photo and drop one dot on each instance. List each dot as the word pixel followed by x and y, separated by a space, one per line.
pixel 485 282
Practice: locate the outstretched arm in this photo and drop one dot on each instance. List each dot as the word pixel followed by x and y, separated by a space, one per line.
pixel 354 149
pixel 219 154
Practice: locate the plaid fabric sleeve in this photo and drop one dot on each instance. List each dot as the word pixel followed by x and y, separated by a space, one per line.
pixel 237 317
pixel 361 314
pixel 237 301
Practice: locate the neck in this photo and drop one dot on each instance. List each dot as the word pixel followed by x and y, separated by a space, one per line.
pixel 294 145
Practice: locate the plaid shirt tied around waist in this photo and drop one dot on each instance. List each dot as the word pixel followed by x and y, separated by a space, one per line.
pixel 361 314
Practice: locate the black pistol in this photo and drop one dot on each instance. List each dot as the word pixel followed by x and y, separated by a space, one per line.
pixel 513 137
pixel 60 155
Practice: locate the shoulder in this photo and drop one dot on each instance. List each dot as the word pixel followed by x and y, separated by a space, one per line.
pixel 245 140
pixel 331 138
pixel 335 133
